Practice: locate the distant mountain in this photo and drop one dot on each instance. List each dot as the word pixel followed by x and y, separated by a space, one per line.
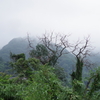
pixel 21 45
pixel 16 45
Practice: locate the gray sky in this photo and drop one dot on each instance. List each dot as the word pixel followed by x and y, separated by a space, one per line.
pixel 78 17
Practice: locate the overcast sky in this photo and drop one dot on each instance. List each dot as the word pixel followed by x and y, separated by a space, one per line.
pixel 78 17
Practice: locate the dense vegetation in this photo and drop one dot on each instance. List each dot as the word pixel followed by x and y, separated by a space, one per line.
pixel 40 77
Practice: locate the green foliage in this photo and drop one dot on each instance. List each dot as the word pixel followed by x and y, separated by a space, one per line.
pixel 61 74
pixel 9 90
pixel 4 66
pixel 15 57
pixel 77 76
pixel 94 90
pixel 44 55
pixel 40 53
pixel 41 50
pixel 25 68
pixel 79 68
pixel 44 86
pixel 39 79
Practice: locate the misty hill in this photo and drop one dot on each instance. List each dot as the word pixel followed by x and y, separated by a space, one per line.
pixel 20 45
pixel 16 45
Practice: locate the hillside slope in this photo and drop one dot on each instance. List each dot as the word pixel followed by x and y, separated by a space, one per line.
pixel 16 45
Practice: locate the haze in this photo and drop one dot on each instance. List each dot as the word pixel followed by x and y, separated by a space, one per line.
pixel 77 17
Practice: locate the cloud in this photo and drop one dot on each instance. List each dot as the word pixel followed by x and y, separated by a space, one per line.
pixel 79 17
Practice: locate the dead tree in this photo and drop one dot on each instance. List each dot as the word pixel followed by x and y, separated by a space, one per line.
pixel 80 50
pixel 56 46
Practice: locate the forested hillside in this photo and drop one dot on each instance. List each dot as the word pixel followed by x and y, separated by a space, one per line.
pixel 47 71
pixel 21 45
pixel 16 45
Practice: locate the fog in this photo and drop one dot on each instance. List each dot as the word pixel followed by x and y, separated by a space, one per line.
pixel 77 17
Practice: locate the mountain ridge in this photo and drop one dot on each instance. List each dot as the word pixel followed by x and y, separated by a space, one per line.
pixel 21 45
pixel 16 45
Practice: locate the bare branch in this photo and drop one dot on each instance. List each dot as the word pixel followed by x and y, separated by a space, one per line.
pixel 56 44
pixel 29 41
pixel 82 48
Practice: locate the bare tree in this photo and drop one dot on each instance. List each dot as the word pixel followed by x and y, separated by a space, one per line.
pixel 29 41
pixel 81 50
pixel 55 44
